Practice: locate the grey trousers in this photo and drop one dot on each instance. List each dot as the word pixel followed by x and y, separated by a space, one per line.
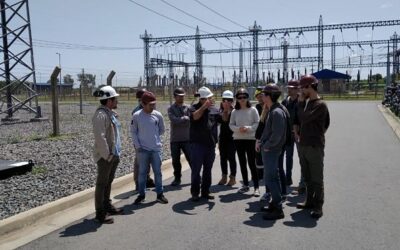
pixel 312 169
pixel 105 176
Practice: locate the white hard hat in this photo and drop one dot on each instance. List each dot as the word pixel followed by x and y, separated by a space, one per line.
pixel 107 92
pixel 227 94
pixel 205 92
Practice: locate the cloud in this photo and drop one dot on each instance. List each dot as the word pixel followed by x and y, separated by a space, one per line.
pixel 386 5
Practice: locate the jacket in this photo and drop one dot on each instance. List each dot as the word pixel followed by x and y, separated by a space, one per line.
pixel 104 134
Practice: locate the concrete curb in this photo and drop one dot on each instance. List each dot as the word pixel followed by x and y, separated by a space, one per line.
pixel 392 119
pixel 34 215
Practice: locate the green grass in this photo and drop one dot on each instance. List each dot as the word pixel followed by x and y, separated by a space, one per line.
pixel 36 170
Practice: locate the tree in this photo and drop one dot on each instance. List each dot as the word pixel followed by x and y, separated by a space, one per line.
pixel 68 79
pixel 87 80
pixel 377 77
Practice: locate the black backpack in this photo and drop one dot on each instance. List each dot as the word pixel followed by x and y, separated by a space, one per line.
pixel 289 135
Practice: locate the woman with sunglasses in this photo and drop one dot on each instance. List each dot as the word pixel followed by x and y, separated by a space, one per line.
pixel 226 145
pixel 244 121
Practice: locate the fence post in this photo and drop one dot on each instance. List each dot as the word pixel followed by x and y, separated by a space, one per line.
pixel 110 77
pixel 54 101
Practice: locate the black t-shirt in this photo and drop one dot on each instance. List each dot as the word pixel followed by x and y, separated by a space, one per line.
pixel 204 130
pixel 225 132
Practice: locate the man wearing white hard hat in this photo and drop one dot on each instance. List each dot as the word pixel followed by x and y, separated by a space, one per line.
pixel 107 150
pixel 203 138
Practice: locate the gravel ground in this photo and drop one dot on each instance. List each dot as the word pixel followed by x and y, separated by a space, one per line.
pixel 63 165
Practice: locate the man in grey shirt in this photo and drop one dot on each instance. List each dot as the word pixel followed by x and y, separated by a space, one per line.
pixel 178 114
pixel 147 127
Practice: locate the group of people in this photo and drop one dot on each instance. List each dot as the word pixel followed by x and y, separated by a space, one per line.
pixel 260 136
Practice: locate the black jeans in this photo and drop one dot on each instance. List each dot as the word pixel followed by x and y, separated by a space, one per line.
pixel 176 148
pixel 247 148
pixel 227 152
pixel 202 157
pixel 105 176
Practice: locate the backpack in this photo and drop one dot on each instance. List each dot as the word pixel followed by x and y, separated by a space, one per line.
pixel 289 136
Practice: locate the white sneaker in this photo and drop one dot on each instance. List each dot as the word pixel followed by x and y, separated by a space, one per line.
pixel 265 197
pixel 256 192
pixel 244 189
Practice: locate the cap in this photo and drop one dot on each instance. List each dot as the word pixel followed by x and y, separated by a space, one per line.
pixel 179 92
pixel 293 84
pixel 148 97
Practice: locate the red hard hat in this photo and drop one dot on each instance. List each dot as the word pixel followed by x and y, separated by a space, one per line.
pixel 293 84
pixel 308 80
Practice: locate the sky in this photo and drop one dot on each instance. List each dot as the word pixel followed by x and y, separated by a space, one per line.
pixel 112 29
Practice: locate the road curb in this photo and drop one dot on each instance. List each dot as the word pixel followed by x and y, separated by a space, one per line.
pixel 391 118
pixel 32 216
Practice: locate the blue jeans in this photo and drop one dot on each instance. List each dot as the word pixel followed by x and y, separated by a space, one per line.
pixel 201 156
pixel 145 158
pixel 271 176
pixel 176 148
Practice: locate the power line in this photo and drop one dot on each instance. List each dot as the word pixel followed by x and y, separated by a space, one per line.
pixel 174 20
pixel 188 14
pixel 169 18
pixel 230 20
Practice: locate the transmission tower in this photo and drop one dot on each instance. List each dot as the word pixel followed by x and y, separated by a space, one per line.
pixel 18 89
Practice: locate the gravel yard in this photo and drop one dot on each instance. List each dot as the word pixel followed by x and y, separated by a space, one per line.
pixel 63 165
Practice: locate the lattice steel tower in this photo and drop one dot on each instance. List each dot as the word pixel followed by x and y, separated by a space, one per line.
pixel 17 90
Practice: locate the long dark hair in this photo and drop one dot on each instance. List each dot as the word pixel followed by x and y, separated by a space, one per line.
pixel 237 104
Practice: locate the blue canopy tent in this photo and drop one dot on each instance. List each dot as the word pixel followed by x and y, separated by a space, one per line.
pixel 331 80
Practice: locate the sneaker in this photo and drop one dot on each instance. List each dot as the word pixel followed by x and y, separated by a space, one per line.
pixel 266 197
pixel 139 199
pixel 256 192
pixel 244 189
pixel 161 198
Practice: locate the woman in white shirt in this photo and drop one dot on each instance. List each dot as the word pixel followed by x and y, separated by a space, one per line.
pixel 244 121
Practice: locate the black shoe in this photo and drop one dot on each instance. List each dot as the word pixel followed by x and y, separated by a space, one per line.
pixel 208 196
pixel 267 209
pixel 150 183
pixel 316 213
pixel 176 182
pixel 275 214
pixel 161 198
pixel 289 182
pixel 304 205
pixel 195 198
pixel 104 219
pixel 139 199
pixel 115 211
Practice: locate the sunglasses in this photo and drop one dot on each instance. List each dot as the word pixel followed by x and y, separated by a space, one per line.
pixel 227 100
pixel 241 97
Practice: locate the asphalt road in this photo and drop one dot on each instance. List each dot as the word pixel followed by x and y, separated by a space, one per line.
pixel 362 171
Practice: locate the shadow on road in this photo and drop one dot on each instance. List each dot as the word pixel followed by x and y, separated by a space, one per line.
pixel 169 188
pixel 83 227
pixel 221 188
pixel 301 218
pixel 256 219
pixel 129 209
pixel 228 198
pixel 184 206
